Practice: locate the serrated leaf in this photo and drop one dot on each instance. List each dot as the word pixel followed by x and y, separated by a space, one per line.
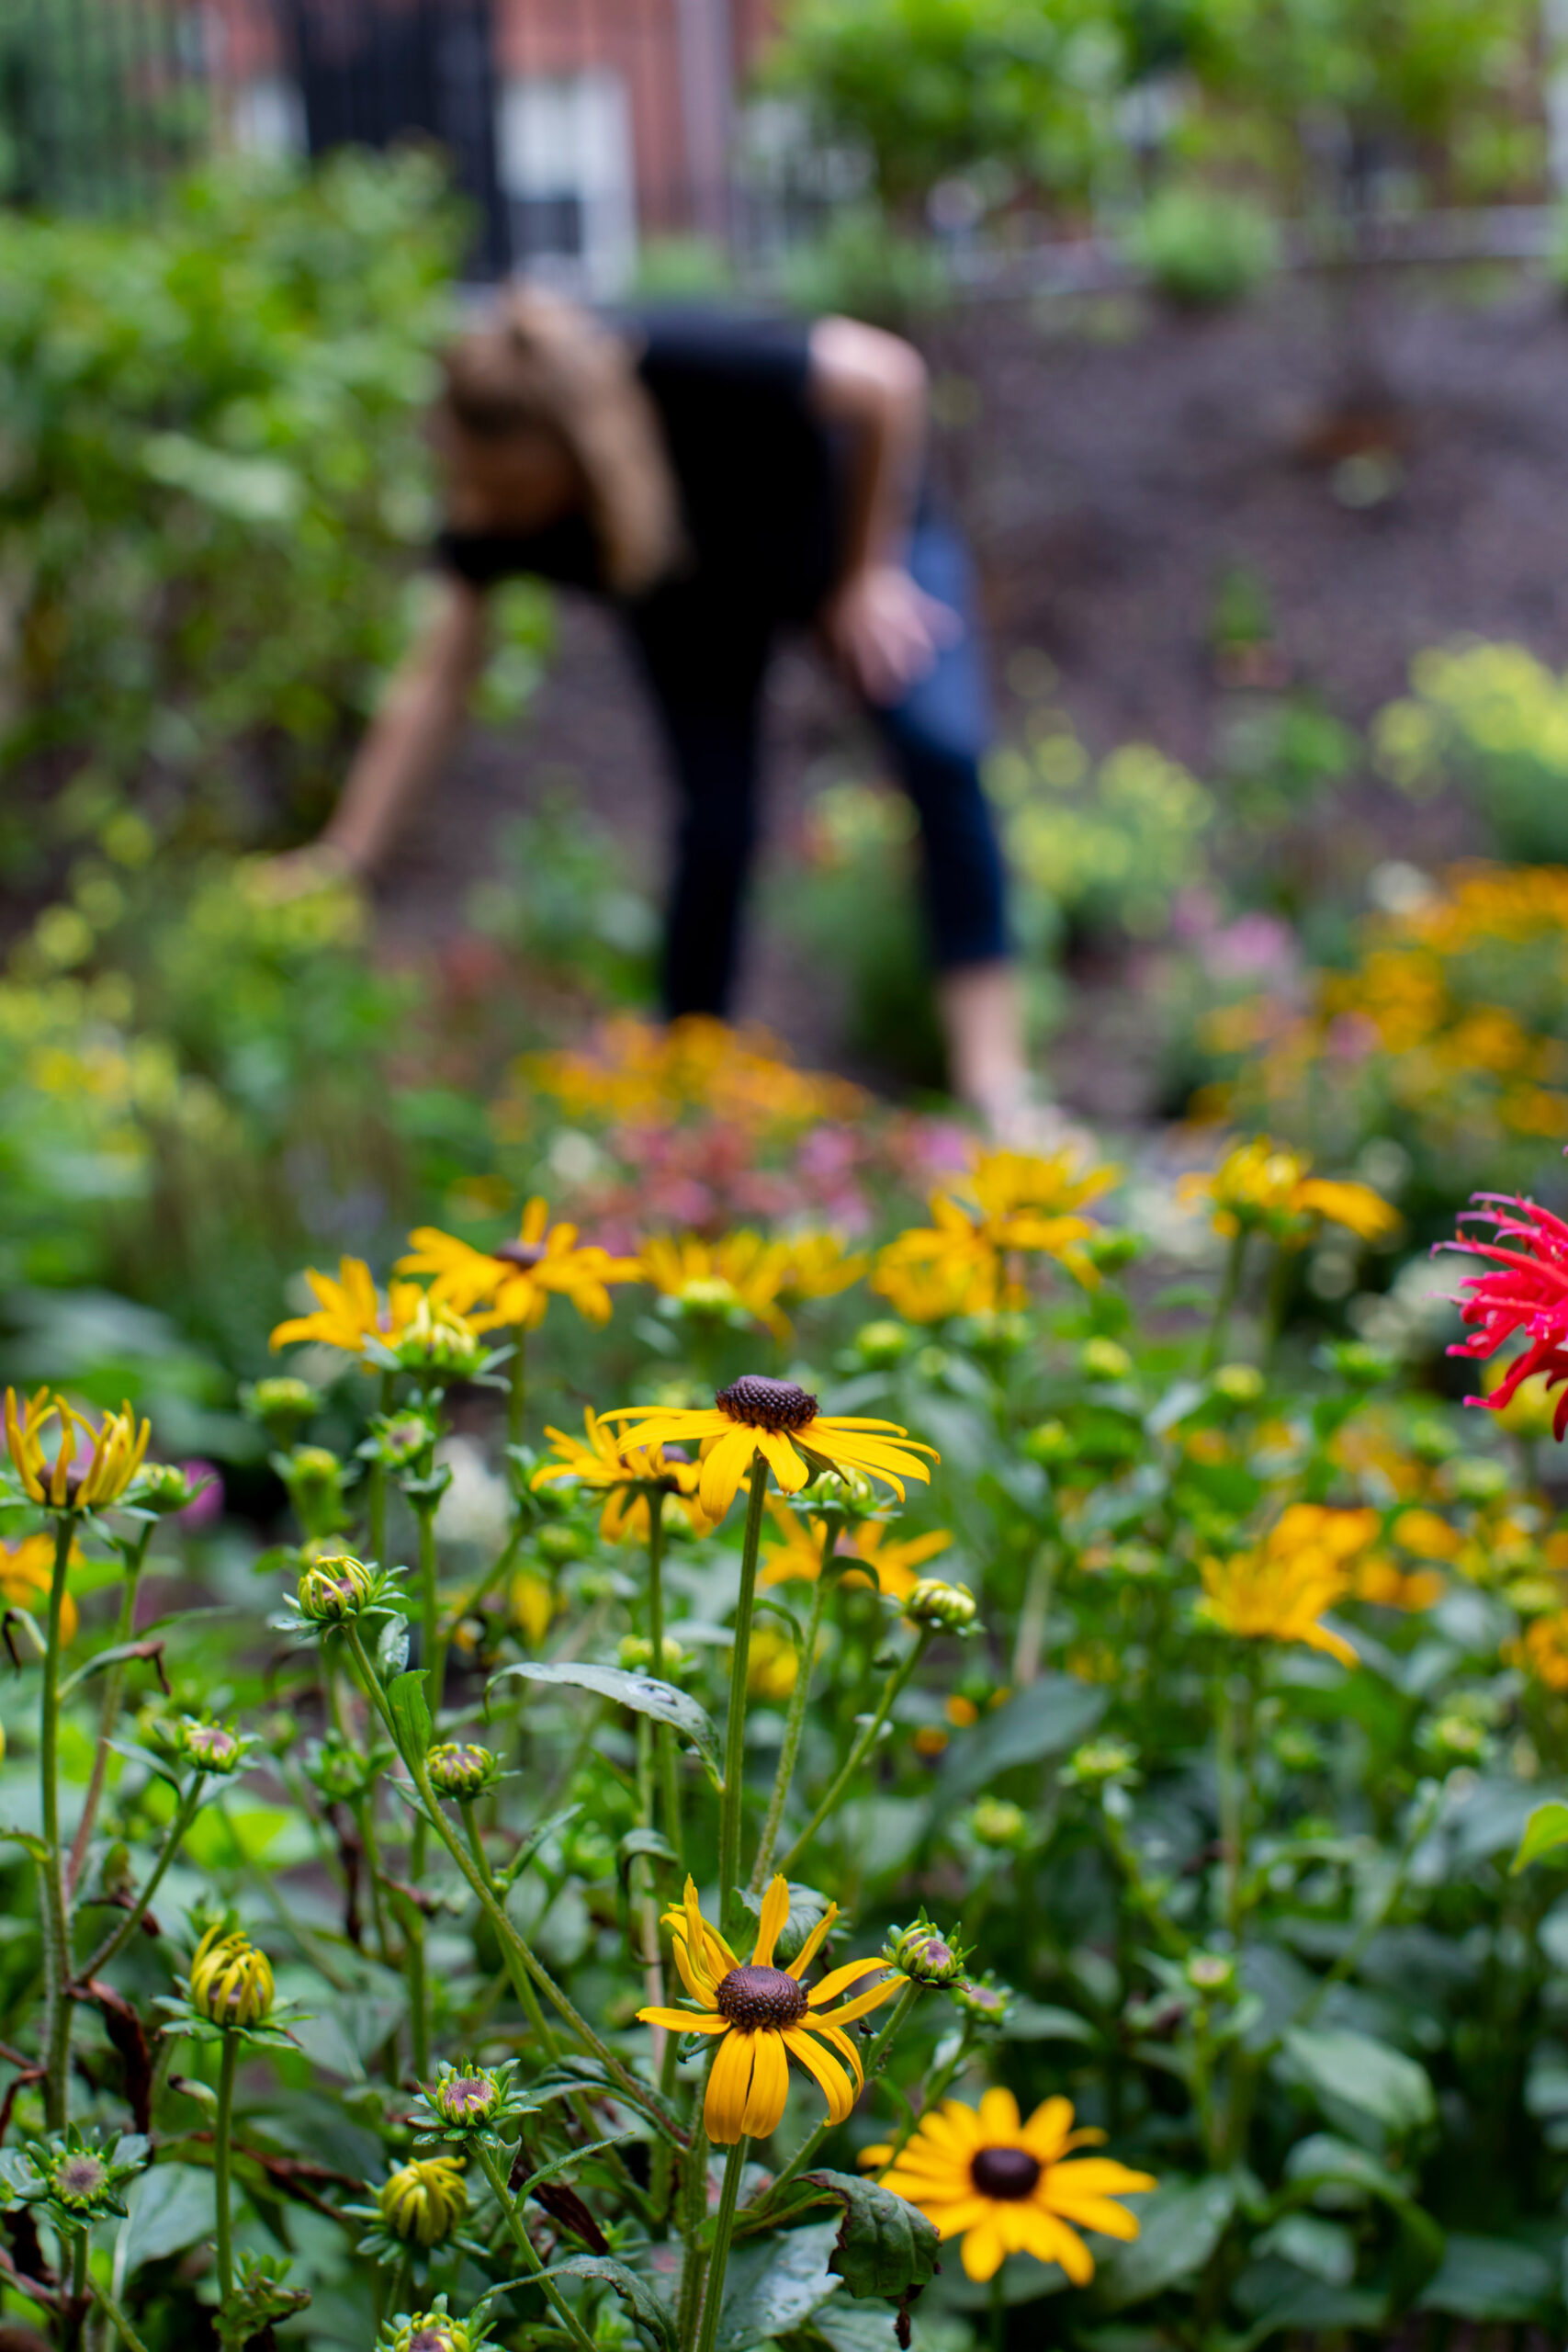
pixel 1180 2224
pixel 773 2284
pixel 1546 1829
pixel 405 1697
pixel 635 2292
pixel 643 1693
pixel 884 2246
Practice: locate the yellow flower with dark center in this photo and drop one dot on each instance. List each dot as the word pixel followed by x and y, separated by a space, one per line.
pixel 231 1980
pixel 817 1265
pixel 112 1453
pixel 425 2200
pixel 26 1572
pixel 351 1311
pixel 515 1282
pixel 1012 1204
pixel 742 1274
pixel 1278 1590
pixel 780 1421
pixel 797 1556
pixel 763 2016
pixel 1543 1651
pixel 1262 1187
pixel 1003 2185
pixel 624 1472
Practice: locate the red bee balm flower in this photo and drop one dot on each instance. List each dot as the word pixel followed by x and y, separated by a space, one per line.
pixel 1527 1292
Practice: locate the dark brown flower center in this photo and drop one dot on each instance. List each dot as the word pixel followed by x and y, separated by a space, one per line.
pixel 766 1404
pixel 1004 2172
pixel 760 1996
pixel 525 1255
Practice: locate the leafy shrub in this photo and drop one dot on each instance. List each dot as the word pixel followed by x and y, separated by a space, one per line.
pixel 1494 719
pixel 861 265
pixel 1109 847
pixel 1204 247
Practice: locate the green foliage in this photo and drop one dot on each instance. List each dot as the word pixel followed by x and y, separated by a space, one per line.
pixel 1494 720
pixel 929 88
pixel 862 266
pixel 1107 845
pixel 1203 247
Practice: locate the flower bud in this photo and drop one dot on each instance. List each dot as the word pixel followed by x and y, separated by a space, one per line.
pixel 1099 1762
pixel 465 2098
pixel 950 1607
pixel 78 2177
pixel 1050 1444
pixel 425 2200
pixel 843 1490
pixel 279 1404
pixel 403 1439
pixel 1104 1360
pixel 998 1823
pixel 461 1769
pixel 923 1955
pixel 636 1653
pixel 1213 1973
pixel 558 1546
pixel 1238 1383
pixel 883 1344
pixel 1110 1251
pixel 432 2331
pixel 987 2003
pixel 231 1980
pixel 313 1476
pixel 336 1588
pixel 1433 1441
pixel 164 1487
pixel 211 1748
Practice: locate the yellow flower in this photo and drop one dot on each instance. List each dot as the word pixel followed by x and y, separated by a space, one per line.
pixel 425 2200
pixel 114 1452
pixel 1544 1650
pixel 797 1556
pixel 742 1274
pixel 1011 1203
pixel 26 1572
pixel 772 1418
pixel 530 1606
pixel 349 1311
pixel 764 2016
pixel 1002 2185
pixel 625 1472
pixel 772 1667
pixel 1263 1187
pixel 516 1280
pixel 1278 1590
pixel 231 1980
pixel 817 1265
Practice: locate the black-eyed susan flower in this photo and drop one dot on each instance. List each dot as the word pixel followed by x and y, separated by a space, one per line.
pixel 436 2330
pixel 796 1556
pixel 423 2201
pixel 736 1281
pixel 1262 1187
pixel 1010 1204
pixel 1002 2185
pixel 780 1423
pixel 231 1980
pixel 349 1311
pixel 764 2016
pixel 516 1280
pixel 27 1571
pixel 626 1473
pixel 820 1265
pixel 88 1468
pixel 1278 1593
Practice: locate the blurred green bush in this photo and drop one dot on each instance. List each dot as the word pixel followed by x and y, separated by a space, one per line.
pixel 1204 247
pixel 1494 719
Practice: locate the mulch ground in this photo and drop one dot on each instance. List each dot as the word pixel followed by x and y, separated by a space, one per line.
pixel 1113 464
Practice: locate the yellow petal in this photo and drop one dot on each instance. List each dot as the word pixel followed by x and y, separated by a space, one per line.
pixel 683 2020
pixel 838 1979
pixel 770 2083
pixel 724 2109
pixel 982 2251
pixel 775 1912
pixel 840 2090
pixel 814 1943
pixel 998 2115
pixel 723 1468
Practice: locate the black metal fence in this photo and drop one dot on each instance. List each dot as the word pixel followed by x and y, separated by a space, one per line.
pixel 99 100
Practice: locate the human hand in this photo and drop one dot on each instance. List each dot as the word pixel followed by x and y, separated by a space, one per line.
pixel 885 630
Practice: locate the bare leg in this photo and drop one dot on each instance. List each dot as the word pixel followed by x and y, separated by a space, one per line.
pixel 982 1019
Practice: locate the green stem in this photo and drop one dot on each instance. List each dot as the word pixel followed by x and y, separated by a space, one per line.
pixel 113 1945
pixel 794 1721
pixel 376 1488
pixel 1278 1304
pixel 57 1958
pixel 525 2244
pixel 517 1386
pixel 116 2317
pixel 479 1883
pixel 875 2059
pixel 1237 1714
pixel 998 2316
pixel 664 1754
pixel 133 1555
pixel 693 2214
pixel 1230 1289
pixel 724 2230
pixel 522 1983
pixel 434 1648
pixel 223 2154
pixel 735 1723
pixel 863 1746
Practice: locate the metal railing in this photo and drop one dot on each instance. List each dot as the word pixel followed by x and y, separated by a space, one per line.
pixel 101 100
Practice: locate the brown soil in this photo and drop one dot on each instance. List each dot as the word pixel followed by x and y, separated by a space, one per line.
pixel 1112 463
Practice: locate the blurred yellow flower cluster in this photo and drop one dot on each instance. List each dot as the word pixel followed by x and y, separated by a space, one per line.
pixel 1261 1186
pixel 1010 1205
pixel 638 1072
pixel 1313 1556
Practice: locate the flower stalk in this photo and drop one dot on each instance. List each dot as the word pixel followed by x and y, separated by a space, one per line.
pixel 57 1958
pixel 735 1724
pixel 870 1734
pixel 794 1721
pixel 719 2257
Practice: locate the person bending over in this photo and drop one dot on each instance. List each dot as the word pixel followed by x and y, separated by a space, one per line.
pixel 719 479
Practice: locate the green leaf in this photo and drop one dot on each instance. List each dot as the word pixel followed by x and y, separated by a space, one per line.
pixel 774 2283
pixel 1052 1715
pixel 1029 2020
pixel 1180 2224
pixel 169 2208
pixel 1546 1829
pixel 35 1848
pixel 564 2164
pixel 642 1841
pixel 1348 2069
pixel 643 1693
pixel 635 2292
pixel 856 2327
pixel 1491 2279
pixel 884 2246
pixel 406 1699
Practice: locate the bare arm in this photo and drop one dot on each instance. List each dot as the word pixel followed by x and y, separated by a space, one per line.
pixel 416 726
pixel 885 629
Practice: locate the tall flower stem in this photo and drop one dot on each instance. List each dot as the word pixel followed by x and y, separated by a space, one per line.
pixel 1230 1288
pixel 115 1943
pixel 116 2317
pixel 222 2161
pixel 134 1555
pixel 693 2214
pixel 521 1983
pixel 376 1486
pixel 794 1721
pixel 724 2230
pixel 432 1646
pixel 573 2326
pixel 57 1918
pixel 735 1724
pixel 664 1754
pixel 517 1386
pixel 869 1734
pixel 1234 1753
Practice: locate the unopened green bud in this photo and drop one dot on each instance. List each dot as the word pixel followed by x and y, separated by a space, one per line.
pixel 1238 1383
pixel 461 1769
pixel 280 1404
pixel 883 1344
pixel 561 1545
pixel 335 1588
pixel 466 2098
pixel 1213 1973
pixel 313 1476
pixel 1099 1762
pixel 164 1487
pixel 211 1748
pixel 844 1490
pixel 987 2003
pixel 923 1955
pixel 996 1821
pixel 1110 1251
pixel 1050 1443
pixel 231 1980
pixel 950 1607
pixel 1104 1360
pixel 636 1653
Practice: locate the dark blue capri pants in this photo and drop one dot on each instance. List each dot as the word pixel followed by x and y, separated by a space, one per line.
pixel 706 660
